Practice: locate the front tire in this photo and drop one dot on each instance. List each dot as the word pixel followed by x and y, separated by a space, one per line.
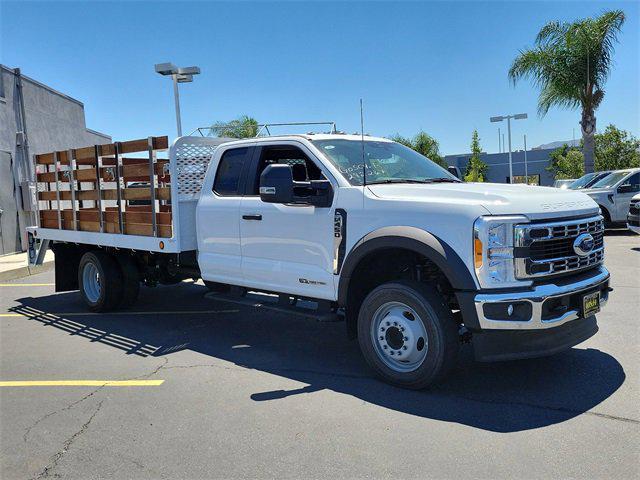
pixel 100 281
pixel 407 334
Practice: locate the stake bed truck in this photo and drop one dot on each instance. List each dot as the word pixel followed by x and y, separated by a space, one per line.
pixel 416 260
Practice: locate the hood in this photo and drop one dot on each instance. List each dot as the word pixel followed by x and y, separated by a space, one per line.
pixel 497 198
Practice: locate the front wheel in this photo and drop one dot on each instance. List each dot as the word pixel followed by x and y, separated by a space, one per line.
pixel 407 334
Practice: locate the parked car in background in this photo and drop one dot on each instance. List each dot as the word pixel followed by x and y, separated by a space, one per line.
pixel 589 179
pixel 563 184
pixel 614 192
pixel 633 217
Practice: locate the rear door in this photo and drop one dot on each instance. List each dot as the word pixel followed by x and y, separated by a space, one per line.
pixel 623 199
pixel 287 248
pixel 218 214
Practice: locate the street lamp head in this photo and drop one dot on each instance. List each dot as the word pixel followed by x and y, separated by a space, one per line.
pixel 166 68
pixel 182 78
pixel 497 119
pixel 188 71
pixel 520 116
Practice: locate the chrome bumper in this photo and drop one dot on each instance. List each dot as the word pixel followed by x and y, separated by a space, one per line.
pixel 536 297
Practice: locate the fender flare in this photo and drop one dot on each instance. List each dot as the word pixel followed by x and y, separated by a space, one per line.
pixel 409 238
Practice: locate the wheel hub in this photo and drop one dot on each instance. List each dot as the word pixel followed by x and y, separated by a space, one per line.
pixel 399 336
pixel 91 282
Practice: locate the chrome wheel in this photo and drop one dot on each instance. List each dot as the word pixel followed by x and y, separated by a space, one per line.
pixel 399 337
pixel 91 282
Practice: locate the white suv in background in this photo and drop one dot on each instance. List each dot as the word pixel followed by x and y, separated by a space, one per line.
pixel 613 194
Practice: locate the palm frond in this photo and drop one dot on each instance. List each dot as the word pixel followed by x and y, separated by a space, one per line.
pixel 551 33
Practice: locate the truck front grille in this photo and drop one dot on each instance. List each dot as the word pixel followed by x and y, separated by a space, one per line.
pixel 544 249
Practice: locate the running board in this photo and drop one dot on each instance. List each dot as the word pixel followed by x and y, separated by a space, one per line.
pixel 322 312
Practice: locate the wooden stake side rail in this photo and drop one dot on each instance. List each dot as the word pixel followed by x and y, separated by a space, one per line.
pixel 142 193
pixel 130 172
pixel 86 155
pixel 67 174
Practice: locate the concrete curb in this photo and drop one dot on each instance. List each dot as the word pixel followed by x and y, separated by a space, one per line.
pixel 25 271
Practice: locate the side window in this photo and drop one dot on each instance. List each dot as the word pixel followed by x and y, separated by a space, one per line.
pixel 229 173
pixel 302 167
pixel 634 181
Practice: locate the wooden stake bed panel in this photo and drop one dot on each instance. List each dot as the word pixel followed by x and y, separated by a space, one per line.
pixel 99 177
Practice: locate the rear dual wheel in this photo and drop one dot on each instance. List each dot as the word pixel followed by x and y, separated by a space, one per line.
pixel 107 283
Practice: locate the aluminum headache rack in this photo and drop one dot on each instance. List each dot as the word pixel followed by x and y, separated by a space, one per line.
pixel 122 194
pixel 262 129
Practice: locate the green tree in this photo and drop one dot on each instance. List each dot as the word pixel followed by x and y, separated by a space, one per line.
pixel 566 163
pixel 570 64
pixel 616 149
pixel 424 144
pixel 476 169
pixel 242 127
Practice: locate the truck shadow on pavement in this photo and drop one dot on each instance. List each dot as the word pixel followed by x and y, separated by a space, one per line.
pixel 499 397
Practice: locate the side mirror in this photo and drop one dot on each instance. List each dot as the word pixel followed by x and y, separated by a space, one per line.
pixel 277 186
pixel 455 171
pixel 626 188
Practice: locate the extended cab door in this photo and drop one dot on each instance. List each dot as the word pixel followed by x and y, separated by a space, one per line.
pixel 218 218
pixel 287 248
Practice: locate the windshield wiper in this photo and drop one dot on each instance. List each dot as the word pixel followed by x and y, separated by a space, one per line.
pixel 397 180
pixel 442 180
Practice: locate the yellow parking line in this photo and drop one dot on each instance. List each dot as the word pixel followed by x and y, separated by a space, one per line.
pixel 86 314
pixel 26 284
pixel 84 383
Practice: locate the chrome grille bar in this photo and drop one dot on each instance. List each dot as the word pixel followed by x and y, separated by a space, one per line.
pixel 548 247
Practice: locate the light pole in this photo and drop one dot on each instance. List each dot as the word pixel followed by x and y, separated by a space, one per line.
pixel 517 116
pixel 526 173
pixel 179 75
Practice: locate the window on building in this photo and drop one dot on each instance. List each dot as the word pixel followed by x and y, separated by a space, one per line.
pixel 229 172
pixel 531 180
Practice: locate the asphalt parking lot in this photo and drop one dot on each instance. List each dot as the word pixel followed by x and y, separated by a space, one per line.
pixel 217 390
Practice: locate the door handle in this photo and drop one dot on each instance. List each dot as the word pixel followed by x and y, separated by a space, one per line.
pixel 256 216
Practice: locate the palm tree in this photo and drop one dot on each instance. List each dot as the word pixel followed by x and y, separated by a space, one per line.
pixel 570 64
pixel 242 127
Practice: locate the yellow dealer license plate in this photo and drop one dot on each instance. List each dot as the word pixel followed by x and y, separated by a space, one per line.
pixel 590 304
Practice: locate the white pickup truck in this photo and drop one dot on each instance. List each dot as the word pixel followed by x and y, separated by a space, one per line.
pixel 416 260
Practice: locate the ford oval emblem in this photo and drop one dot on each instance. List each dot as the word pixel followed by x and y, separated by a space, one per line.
pixel 583 244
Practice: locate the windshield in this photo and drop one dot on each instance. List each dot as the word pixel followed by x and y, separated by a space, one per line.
pixel 582 181
pixel 610 180
pixel 386 162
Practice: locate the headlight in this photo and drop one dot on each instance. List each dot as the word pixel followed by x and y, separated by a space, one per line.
pixel 493 251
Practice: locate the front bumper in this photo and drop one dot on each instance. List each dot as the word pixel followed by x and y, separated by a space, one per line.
pixel 633 222
pixel 547 318
pixel 547 305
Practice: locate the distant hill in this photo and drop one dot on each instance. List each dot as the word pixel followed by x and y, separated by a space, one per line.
pixel 571 143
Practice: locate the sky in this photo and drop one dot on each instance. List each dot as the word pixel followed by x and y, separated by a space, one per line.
pixel 440 67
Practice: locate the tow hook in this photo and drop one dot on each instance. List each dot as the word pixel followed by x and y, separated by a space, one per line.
pixel 464 334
